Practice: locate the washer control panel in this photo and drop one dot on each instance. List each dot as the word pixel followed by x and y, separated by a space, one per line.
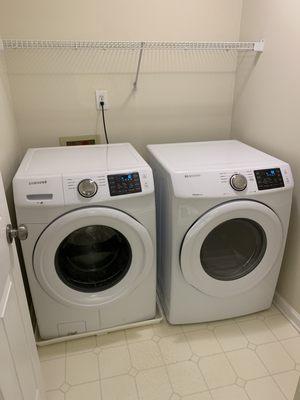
pixel 95 187
pixel 269 178
pixel 121 184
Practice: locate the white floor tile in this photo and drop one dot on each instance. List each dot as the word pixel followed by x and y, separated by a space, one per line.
pixel 145 355
pixel 246 364
pixel 153 384
pixel 229 393
pixel 292 346
pixel 174 348
pixel 166 362
pixel 186 378
pixel 89 391
pixel 217 371
pixel 193 327
pixel 288 381
pixel 113 339
pixel 281 327
pixel 55 395
pixel 273 310
pixel 230 337
pixel 165 329
pixel 198 396
pixel 119 388
pixel 52 351
pixel 114 361
pixel 54 373
pixel 203 343
pixel 246 317
pixel 263 389
pixel 257 332
pixel 275 358
pixel 81 345
pixel 82 368
pixel 139 334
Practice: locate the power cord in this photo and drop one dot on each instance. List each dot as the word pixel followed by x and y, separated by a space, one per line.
pixel 103 119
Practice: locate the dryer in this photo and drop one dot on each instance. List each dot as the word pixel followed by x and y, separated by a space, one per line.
pixel 223 212
pixel 91 247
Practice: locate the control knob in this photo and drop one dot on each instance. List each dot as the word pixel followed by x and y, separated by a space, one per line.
pixel 87 188
pixel 238 182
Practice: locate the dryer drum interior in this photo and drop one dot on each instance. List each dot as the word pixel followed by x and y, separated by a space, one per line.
pixel 233 249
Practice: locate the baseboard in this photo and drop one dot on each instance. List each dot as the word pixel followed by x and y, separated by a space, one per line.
pixel 291 314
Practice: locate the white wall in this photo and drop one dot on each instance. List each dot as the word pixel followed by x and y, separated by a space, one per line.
pixel 181 95
pixel 10 147
pixel 267 106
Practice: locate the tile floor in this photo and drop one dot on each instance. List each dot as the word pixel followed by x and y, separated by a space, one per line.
pixel 256 357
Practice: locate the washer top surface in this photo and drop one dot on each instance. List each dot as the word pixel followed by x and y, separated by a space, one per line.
pixel 212 155
pixel 81 159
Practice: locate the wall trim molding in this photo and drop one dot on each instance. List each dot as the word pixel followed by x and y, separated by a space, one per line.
pixel 287 310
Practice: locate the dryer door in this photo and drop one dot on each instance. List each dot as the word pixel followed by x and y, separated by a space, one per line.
pixel 231 248
pixel 92 256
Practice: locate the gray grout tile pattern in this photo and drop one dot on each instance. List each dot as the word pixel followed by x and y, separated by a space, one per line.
pixel 248 358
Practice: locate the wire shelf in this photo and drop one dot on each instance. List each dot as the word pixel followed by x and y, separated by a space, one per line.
pixel 131 45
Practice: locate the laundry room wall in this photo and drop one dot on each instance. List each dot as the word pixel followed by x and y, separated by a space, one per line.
pixel 10 147
pixel 181 96
pixel 266 108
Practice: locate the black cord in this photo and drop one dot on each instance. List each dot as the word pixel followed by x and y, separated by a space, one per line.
pixel 103 119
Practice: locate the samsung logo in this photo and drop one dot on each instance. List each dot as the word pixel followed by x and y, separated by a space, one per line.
pixel 38 182
pixel 192 176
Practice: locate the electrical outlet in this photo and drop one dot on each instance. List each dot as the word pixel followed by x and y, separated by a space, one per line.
pixel 101 95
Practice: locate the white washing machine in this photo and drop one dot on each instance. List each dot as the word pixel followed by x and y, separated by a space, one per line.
pixel 91 249
pixel 223 211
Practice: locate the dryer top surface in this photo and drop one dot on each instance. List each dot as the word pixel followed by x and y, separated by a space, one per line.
pixel 212 155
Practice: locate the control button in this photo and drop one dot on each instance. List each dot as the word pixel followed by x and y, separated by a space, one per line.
pixel 87 188
pixel 238 182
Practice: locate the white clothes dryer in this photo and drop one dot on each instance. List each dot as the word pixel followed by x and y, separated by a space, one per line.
pixel 223 212
pixel 90 255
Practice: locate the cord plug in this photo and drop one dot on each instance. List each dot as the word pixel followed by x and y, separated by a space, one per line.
pixel 101 99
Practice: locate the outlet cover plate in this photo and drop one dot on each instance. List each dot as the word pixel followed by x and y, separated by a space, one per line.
pixel 101 95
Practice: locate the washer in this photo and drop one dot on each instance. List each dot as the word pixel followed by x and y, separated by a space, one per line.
pixel 223 211
pixel 90 255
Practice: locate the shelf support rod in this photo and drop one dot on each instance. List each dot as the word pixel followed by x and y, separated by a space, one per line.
pixel 138 66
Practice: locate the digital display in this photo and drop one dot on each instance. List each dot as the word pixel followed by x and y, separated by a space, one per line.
pixel 271 172
pixel 269 178
pixel 126 178
pixel 121 184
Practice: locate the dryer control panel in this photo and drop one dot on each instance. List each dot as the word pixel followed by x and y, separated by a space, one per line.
pixel 268 178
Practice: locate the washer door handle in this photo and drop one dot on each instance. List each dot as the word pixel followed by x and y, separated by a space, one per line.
pixel 20 233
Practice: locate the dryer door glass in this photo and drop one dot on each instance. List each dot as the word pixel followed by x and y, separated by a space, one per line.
pixel 233 249
pixel 93 258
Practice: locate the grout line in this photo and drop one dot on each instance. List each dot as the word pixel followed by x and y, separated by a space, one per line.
pixel 190 347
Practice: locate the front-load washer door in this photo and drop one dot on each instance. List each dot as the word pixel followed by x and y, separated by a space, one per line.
pixel 91 256
pixel 231 248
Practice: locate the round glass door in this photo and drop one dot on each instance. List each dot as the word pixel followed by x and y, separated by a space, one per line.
pixel 233 249
pixel 93 258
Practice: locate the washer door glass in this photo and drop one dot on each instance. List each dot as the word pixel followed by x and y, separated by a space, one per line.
pixel 93 258
pixel 233 249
